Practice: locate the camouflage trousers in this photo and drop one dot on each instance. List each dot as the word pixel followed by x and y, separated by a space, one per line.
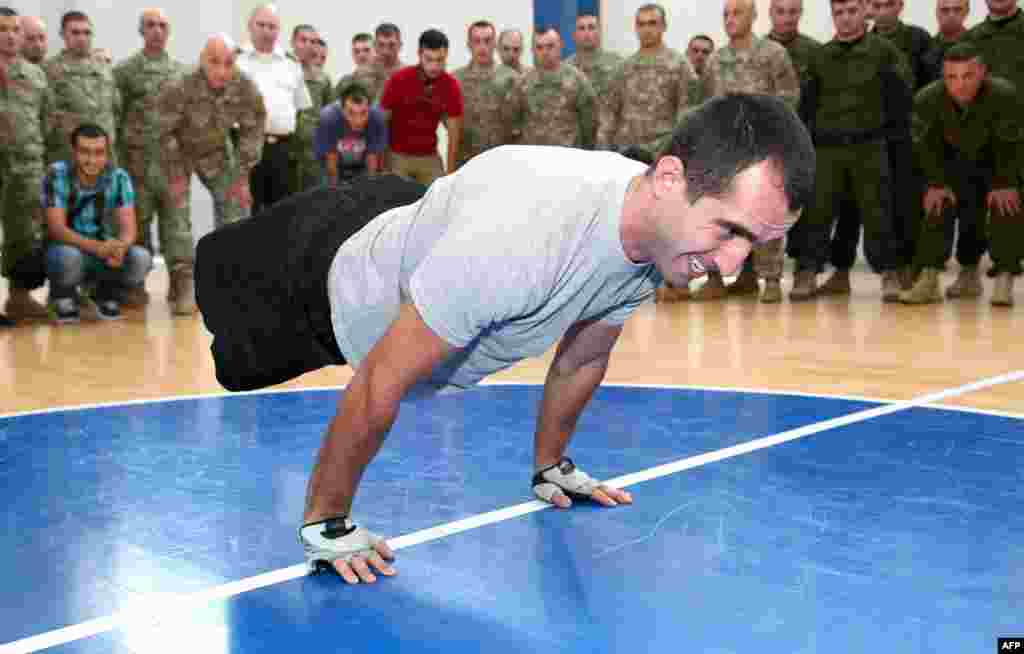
pixel 22 216
pixel 307 173
pixel 153 199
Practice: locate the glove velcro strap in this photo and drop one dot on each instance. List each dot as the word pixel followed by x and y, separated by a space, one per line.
pixel 335 538
pixel 565 477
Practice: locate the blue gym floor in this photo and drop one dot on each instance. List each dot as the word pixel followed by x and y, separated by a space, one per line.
pixel 898 534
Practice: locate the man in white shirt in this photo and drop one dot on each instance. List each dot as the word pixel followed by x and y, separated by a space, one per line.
pixel 283 86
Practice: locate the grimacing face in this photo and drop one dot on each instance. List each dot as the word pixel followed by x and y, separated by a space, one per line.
pixel 963 80
pixel 90 156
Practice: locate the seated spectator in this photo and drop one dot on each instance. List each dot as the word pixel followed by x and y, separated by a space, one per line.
pixel 352 136
pixel 82 247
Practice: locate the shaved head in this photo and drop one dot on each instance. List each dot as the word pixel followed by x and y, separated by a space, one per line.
pixel 739 16
pixel 33 44
pixel 218 60
pixel 264 27
pixel 785 16
pixel 155 27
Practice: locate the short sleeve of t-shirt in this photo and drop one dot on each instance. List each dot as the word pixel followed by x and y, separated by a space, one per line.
pixel 454 104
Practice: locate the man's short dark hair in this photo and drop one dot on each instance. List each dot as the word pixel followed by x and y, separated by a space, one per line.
pixel 654 6
pixel 433 40
pixel 726 135
pixel 704 37
pixel 302 28
pixel 588 13
pixel 7 12
pixel 362 36
pixel 73 17
pixel 962 52
pixel 544 29
pixel 388 29
pixel 357 92
pixel 88 131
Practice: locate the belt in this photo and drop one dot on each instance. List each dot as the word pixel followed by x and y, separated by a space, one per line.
pixel 276 138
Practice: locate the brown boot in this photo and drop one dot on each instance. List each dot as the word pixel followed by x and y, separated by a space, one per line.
pixel 1002 294
pixel 838 283
pixel 182 293
pixel 713 289
pixel 967 284
pixel 891 286
pixel 745 284
pixel 668 293
pixel 772 292
pixel 805 286
pixel 925 290
pixel 22 306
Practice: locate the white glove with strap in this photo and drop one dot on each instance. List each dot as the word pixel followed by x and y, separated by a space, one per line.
pixel 563 476
pixel 335 538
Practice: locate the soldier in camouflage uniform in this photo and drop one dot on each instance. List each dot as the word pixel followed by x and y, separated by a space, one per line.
pixel 387 45
pixel 510 49
pixel 749 64
pixel 968 130
pixel 196 114
pixel 307 173
pixel 25 102
pixel 485 88
pixel 598 64
pixel 698 51
pixel 552 103
pixel 651 91
pixel 140 79
pixel 857 95
pixel 83 89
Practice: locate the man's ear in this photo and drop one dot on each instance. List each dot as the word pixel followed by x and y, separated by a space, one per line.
pixel 669 176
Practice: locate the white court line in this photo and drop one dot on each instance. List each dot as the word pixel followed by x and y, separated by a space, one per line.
pixel 143 612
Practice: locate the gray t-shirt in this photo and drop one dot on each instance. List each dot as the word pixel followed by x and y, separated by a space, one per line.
pixel 500 259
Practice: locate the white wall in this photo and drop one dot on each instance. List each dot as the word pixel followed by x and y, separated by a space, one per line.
pixel 686 18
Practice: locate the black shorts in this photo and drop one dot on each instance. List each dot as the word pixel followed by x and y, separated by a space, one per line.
pixel 261 283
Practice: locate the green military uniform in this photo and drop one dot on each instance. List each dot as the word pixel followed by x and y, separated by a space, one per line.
pixel 971 151
pixel 916 45
pixel 195 121
pixel 599 66
pixel 306 170
pixel 856 92
pixel 140 79
pixel 83 90
pixel 647 96
pixel 25 104
pixel 552 108
pixel 940 46
pixel 484 92
pixel 800 48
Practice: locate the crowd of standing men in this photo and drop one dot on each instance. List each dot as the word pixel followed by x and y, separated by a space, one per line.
pixel 920 139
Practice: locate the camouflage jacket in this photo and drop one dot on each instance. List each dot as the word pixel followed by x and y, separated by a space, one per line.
pixel 552 108
pixel 307 120
pixel 372 75
pixel 916 45
pixel 484 93
pixel 800 48
pixel 599 67
pixel 195 121
pixel 648 95
pixel 25 104
pixel 140 79
pixel 988 131
pixel 1002 46
pixel 83 90
pixel 765 68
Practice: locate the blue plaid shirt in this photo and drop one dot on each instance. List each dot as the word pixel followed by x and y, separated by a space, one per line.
pixel 61 190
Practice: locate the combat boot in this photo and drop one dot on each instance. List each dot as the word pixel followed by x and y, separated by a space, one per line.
pixel 745 284
pixel 925 290
pixel 891 286
pixel 182 292
pixel 967 284
pixel 772 292
pixel 805 286
pixel 22 306
pixel 1002 294
pixel 838 283
pixel 713 289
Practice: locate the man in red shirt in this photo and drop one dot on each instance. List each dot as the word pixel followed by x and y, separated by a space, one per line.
pixel 415 101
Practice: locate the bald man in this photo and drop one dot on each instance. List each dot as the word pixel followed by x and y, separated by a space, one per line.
pixel 195 115
pixel 140 79
pixel 510 49
pixel 33 44
pixel 283 85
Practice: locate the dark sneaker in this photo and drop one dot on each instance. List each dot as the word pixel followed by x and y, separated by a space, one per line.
pixel 65 311
pixel 108 309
